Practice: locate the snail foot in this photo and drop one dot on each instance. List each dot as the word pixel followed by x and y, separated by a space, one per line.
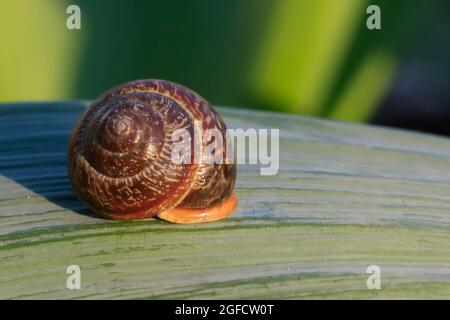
pixel 189 215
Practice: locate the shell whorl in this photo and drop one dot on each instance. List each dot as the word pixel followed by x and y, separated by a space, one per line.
pixel 119 158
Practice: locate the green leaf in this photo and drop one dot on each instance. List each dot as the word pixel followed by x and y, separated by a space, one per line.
pixel 346 197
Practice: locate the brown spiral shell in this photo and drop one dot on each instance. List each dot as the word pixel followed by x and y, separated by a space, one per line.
pixel 119 155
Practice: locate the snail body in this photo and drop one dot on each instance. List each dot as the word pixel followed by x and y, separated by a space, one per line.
pixel 120 156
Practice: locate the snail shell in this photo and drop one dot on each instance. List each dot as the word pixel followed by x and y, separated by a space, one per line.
pixel 119 156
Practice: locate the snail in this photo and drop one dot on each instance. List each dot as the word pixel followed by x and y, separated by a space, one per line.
pixel 120 156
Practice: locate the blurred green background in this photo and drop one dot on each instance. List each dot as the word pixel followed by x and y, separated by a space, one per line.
pixel 313 57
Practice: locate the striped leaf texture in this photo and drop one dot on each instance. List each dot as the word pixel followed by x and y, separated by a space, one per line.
pixel 346 197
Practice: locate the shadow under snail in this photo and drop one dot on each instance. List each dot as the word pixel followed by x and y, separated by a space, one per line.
pixel 119 156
